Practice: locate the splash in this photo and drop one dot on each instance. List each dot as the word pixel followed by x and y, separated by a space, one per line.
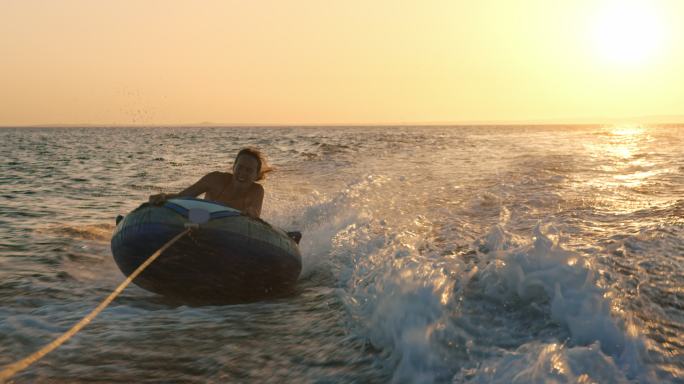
pixel 602 344
pixel 522 311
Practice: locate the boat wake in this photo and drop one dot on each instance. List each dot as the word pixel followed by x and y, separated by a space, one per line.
pixel 504 308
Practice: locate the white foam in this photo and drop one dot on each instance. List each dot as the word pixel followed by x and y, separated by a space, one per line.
pixel 397 300
pixel 406 300
pixel 548 363
pixel 603 345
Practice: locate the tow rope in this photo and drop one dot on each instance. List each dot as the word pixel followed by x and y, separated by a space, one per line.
pixel 24 363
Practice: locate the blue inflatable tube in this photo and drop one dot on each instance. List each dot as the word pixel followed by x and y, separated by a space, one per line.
pixel 231 258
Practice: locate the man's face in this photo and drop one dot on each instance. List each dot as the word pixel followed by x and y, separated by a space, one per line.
pixel 246 169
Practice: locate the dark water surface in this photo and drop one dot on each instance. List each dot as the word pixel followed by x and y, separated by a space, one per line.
pixel 431 254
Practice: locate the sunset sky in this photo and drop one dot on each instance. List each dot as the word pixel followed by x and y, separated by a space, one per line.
pixel 338 62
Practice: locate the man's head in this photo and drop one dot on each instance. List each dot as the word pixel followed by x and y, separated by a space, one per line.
pixel 250 165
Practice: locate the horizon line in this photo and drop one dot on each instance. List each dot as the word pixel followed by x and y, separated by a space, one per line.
pixel 340 125
pixel 642 120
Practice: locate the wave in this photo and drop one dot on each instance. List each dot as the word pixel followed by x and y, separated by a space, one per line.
pixel 601 345
pixel 505 309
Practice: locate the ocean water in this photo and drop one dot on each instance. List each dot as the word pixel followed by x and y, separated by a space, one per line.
pixel 431 255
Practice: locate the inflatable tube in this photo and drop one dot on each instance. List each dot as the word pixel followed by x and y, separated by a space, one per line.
pixel 231 258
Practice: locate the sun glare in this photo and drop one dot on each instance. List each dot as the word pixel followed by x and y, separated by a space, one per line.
pixel 628 32
pixel 627 130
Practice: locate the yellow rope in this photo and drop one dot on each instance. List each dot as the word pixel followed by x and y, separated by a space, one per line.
pixel 22 364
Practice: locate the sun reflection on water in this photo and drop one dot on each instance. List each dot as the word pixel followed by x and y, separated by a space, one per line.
pixel 625 141
pixel 620 154
pixel 627 130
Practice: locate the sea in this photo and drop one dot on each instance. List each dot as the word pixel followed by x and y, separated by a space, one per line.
pixel 431 254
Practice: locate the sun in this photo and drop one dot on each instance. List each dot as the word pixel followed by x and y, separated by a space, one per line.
pixel 628 32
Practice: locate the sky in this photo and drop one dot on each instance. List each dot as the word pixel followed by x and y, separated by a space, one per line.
pixel 130 62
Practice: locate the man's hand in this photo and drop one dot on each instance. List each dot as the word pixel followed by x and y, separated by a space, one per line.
pixel 159 199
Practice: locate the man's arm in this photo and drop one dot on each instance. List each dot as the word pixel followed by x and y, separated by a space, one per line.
pixel 200 187
pixel 255 202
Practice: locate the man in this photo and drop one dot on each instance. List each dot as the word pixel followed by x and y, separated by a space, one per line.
pixel 238 190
